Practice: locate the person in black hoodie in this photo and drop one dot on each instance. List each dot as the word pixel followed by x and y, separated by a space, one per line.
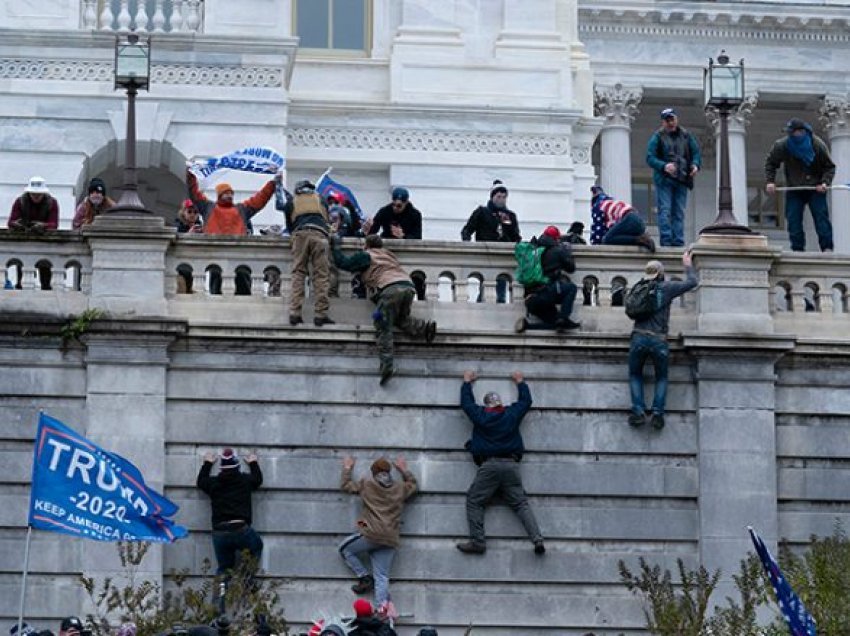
pixel 230 496
pixel 497 447
pixel 542 301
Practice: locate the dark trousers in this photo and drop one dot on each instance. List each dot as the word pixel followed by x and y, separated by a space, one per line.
pixel 645 347
pixel 625 231
pixel 229 544
pixel 498 476
pixel 544 303
pixel 795 204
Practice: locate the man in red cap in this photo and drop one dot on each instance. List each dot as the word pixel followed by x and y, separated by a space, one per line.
pixel 230 496
pixel 552 302
pixel 378 527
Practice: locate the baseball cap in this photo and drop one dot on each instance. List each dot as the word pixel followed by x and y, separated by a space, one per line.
pixel 71 622
pixel 667 113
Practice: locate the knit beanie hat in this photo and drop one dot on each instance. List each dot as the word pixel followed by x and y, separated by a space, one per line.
pixel 381 466
pixel 400 194
pixel 576 228
pixel 97 185
pixel 363 608
pixel 497 187
pixel 653 270
pixel 223 187
pixel 552 232
pixel 229 459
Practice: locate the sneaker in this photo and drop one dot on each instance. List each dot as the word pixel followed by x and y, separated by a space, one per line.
pixel 657 421
pixel 295 320
pixel 323 320
pixel 430 331
pixel 645 240
pixel 387 371
pixel 636 420
pixel 565 324
pixel 539 548
pixel 471 547
pixel 521 325
pixel 364 585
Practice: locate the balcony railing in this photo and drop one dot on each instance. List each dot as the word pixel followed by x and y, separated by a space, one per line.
pixel 458 280
pixel 155 16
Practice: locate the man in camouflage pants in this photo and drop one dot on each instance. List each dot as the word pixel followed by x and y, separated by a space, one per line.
pixel 391 289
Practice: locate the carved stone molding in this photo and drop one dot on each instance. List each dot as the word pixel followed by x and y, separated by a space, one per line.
pixel 618 104
pixel 835 115
pixel 739 118
pixel 420 140
pixel 188 74
pixel 581 154
pixel 696 24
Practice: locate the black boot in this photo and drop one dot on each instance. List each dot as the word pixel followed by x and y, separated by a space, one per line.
pixel 364 585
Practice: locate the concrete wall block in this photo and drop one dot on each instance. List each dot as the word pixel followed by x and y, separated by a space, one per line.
pixel 48 595
pixel 814 484
pixel 798 522
pixel 738 394
pixel 126 380
pixel 801 399
pixel 822 441
pixel 736 430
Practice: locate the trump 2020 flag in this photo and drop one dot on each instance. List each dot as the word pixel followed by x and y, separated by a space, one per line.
pixel 325 186
pixel 257 159
pixel 81 489
pixel 799 621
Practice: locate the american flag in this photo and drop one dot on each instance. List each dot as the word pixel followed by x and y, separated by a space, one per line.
pixel 799 621
pixel 604 213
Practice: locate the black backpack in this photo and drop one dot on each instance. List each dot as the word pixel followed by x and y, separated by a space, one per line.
pixel 643 299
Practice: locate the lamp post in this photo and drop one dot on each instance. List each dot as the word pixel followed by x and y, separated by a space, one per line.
pixel 724 89
pixel 132 72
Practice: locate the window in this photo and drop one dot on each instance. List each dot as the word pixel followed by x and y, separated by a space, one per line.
pixel 338 25
pixel 764 210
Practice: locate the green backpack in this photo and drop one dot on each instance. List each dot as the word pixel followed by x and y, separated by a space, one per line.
pixel 529 271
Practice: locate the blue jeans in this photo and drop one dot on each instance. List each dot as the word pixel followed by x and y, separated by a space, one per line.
pixel 544 303
pixel 643 347
pixel 228 545
pixel 671 197
pixel 795 203
pixel 625 231
pixel 382 560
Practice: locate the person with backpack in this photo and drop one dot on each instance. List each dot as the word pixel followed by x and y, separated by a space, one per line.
pixel 549 293
pixel 648 304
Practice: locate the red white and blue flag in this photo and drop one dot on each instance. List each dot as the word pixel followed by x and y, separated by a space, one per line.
pixel 799 621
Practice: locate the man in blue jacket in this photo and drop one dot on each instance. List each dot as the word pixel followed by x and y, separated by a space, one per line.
pixel 674 156
pixel 496 448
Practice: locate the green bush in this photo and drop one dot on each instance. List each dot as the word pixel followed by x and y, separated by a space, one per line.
pixel 154 612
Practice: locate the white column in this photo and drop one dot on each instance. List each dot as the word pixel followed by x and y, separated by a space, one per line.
pixel 835 114
pixel 618 105
pixel 739 119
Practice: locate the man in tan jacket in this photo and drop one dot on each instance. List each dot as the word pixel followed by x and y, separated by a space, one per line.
pixel 378 526
pixel 391 289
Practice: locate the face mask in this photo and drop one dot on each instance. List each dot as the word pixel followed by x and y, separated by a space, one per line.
pixel 384 479
pixel 96 198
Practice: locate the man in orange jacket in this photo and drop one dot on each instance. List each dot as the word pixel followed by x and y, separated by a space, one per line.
pixel 223 217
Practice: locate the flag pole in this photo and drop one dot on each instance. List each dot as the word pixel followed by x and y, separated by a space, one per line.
pixel 24 581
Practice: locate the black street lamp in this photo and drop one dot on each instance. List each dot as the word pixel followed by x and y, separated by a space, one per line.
pixel 724 90
pixel 132 72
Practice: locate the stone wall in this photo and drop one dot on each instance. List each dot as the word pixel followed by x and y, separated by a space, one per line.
pixel 756 431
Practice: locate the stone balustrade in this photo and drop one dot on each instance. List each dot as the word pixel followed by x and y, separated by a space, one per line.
pixel 154 16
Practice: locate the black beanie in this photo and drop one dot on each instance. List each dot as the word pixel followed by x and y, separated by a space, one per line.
pixel 97 185
pixel 498 186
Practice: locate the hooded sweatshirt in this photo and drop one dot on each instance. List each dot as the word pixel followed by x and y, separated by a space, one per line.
pixel 227 219
pixel 380 518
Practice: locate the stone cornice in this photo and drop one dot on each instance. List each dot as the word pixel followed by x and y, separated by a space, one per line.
pixel 714 21
pixel 426 140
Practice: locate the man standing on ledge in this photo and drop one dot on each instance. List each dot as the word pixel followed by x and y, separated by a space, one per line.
pixel 230 496
pixel 674 156
pixel 497 449
pixel 808 166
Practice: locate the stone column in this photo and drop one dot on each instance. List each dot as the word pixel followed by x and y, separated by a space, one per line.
pixel 618 105
pixel 835 114
pixel 738 121
pixel 126 369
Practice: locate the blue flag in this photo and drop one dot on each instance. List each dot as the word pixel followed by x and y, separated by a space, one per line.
pixel 80 489
pixel 799 621
pixel 325 186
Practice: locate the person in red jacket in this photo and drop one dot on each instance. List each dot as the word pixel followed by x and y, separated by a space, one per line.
pixel 223 217
pixel 35 210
